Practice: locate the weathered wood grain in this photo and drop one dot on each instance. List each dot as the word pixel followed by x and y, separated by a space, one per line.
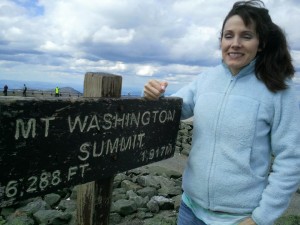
pixel 94 198
pixel 49 144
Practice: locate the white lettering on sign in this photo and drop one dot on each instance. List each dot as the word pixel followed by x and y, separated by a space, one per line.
pixel 43 181
pixel 93 124
pixel 73 170
pixel 25 130
pixel 47 121
pixel 35 184
pixel 156 153
pixel 110 146
pixel 137 119
pixel 77 121
pixel 14 188
pixel 110 121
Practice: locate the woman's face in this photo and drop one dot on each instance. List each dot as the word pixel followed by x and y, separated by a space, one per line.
pixel 239 44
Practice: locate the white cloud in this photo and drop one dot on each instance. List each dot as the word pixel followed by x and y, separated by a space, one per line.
pixel 174 40
pixel 109 35
pixel 146 70
pixel 197 43
pixel 51 47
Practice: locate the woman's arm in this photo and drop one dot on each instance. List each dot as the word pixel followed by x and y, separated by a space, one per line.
pixel 284 178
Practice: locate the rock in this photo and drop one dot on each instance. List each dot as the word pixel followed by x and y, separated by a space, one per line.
pixel 2 221
pixel 140 202
pixel 143 214
pixel 52 217
pixel 147 191
pixel 73 195
pixel 131 194
pixel 164 203
pixel 169 191
pixel 183 132
pixel 177 201
pixel 162 170
pixel 288 220
pixel 186 149
pixel 178 149
pixel 115 218
pixel 52 199
pixel 139 171
pixel 125 207
pixel 153 206
pixel 20 220
pixel 168 187
pixel 148 180
pixel 132 221
pixel 118 179
pixel 73 220
pixel 118 193
pixel 6 212
pixel 128 185
pixel 26 201
pixel 67 205
pixel 33 207
pixel 162 218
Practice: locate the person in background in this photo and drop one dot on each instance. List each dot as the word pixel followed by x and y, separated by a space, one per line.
pixel 5 90
pixel 56 92
pixel 245 113
pixel 24 90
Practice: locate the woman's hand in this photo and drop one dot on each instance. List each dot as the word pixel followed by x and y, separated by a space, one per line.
pixel 154 88
pixel 248 221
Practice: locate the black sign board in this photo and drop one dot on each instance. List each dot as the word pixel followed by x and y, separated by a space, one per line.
pixel 49 144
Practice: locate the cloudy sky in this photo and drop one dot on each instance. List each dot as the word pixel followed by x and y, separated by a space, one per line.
pixel 58 41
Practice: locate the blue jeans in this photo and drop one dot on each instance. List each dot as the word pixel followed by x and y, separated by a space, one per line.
pixel 187 217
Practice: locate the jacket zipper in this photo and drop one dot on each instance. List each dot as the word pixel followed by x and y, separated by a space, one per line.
pixel 223 103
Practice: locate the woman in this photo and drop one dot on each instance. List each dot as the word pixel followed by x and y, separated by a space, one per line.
pixel 245 112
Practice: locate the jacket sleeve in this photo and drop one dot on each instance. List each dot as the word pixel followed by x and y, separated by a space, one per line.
pixel 188 94
pixel 284 178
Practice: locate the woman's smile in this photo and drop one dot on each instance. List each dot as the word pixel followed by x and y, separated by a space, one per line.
pixel 235 55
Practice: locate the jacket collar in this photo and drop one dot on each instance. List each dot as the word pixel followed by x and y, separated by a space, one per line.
pixel 249 69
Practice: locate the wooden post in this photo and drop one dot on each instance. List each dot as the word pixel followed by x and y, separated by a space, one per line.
pixel 94 198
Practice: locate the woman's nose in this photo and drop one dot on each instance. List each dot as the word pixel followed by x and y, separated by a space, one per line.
pixel 236 42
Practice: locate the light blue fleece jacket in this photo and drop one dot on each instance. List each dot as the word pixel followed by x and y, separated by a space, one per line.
pixel 238 125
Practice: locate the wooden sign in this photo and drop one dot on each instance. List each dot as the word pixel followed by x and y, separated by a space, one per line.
pixel 49 144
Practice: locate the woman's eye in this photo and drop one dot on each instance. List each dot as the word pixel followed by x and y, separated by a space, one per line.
pixel 247 37
pixel 227 36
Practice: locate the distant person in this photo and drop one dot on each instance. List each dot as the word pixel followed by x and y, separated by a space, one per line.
pixel 56 92
pixel 5 90
pixel 24 90
pixel 244 164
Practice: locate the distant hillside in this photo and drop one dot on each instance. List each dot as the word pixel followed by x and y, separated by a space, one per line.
pixel 47 86
pixel 66 89
pixel 35 85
